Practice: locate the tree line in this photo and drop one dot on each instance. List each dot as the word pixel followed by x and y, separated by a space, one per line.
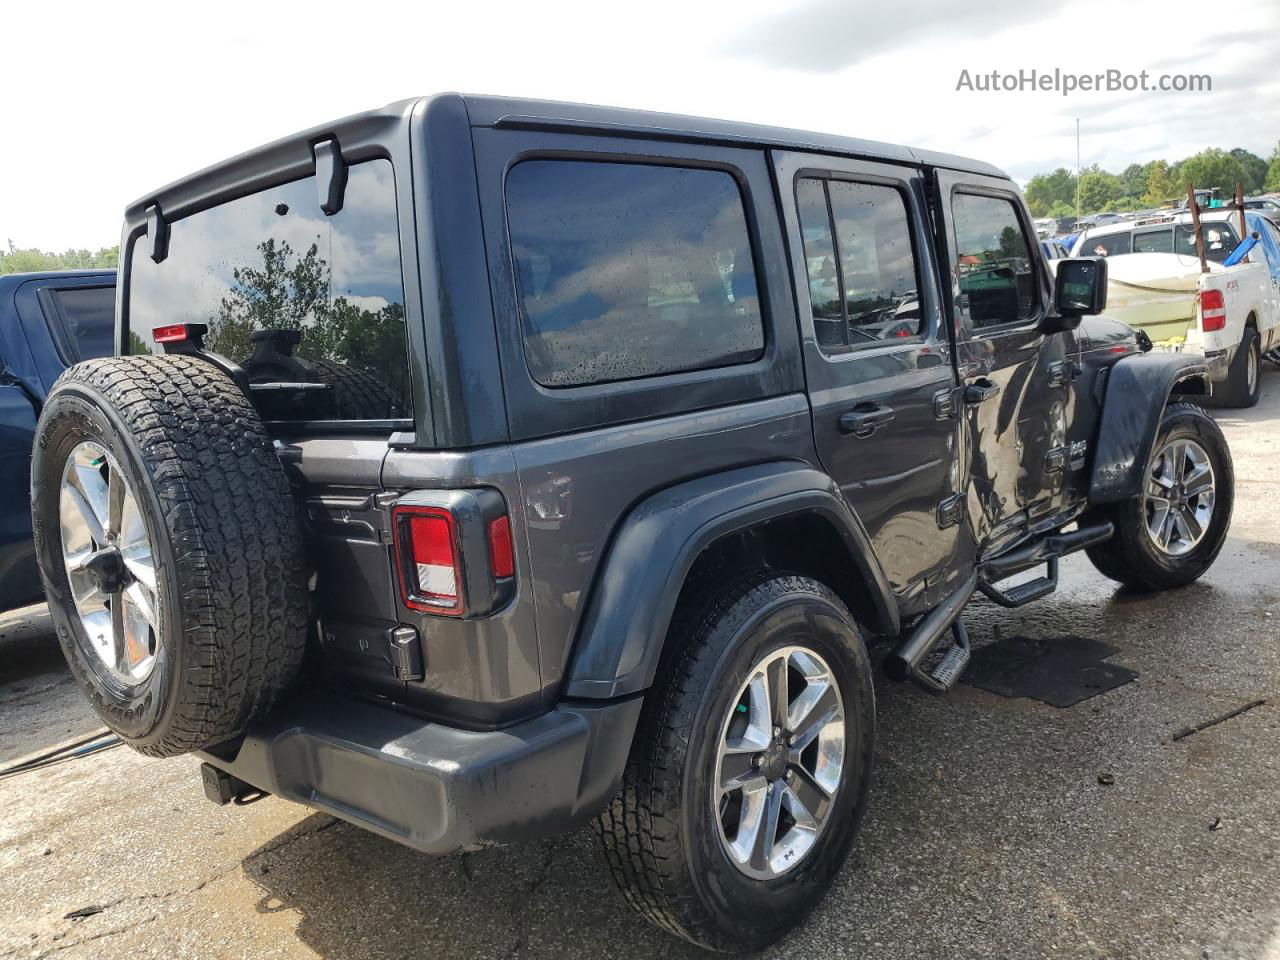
pixel 31 260
pixel 1145 185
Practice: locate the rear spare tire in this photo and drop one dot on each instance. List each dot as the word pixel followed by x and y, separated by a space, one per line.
pixel 169 549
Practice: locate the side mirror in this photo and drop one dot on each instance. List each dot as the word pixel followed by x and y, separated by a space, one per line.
pixel 1080 286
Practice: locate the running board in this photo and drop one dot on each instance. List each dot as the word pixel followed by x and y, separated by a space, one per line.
pixel 1048 550
pixel 905 661
pixel 1023 593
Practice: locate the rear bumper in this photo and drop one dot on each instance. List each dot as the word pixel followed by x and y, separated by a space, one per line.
pixel 437 788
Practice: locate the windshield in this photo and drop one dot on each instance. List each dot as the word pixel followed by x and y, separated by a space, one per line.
pixel 312 304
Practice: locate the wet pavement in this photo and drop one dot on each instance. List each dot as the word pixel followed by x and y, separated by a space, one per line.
pixel 997 827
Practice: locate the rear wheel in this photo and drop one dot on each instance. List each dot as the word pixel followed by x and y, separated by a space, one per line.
pixel 1243 385
pixel 169 550
pixel 1171 534
pixel 751 765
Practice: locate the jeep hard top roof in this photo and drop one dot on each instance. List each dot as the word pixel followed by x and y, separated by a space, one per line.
pixel 358 134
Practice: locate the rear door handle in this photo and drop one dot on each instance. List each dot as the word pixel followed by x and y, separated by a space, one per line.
pixel 865 419
pixel 980 391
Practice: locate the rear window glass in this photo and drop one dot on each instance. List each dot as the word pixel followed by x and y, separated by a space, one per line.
pixel 88 317
pixel 1219 240
pixel 311 303
pixel 630 270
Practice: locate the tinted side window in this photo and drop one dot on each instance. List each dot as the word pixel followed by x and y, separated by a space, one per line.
pixel 630 270
pixel 997 274
pixel 89 319
pixel 1153 241
pixel 1108 245
pixel 864 287
pixel 292 295
pixel 1219 240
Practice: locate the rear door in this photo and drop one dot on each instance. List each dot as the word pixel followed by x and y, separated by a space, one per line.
pixel 1016 380
pixel 877 360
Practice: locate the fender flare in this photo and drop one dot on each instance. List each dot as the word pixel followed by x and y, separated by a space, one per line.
pixel 1137 389
pixel 629 610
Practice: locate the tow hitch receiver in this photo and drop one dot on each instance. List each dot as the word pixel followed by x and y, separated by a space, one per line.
pixel 221 787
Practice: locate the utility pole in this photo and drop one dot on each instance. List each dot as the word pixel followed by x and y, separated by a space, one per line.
pixel 1078 168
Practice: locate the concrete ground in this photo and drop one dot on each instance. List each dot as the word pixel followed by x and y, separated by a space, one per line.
pixel 989 833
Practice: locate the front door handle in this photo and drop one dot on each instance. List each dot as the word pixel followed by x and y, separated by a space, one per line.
pixel 980 391
pixel 865 419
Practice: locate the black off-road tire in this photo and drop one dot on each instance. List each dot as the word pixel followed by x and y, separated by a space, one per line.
pixel 1241 390
pixel 1130 557
pixel 659 835
pixel 231 591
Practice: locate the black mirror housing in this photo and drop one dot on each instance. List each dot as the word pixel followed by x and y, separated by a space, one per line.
pixel 1080 286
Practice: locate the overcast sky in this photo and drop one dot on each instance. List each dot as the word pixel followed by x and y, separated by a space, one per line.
pixel 103 103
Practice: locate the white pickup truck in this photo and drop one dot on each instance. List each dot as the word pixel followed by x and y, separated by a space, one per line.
pixel 1230 315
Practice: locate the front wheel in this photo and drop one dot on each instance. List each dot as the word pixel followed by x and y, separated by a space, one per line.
pixel 751 765
pixel 1171 534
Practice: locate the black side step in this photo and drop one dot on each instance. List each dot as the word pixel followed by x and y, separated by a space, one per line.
pixel 904 661
pixel 1047 550
pixel 1021 593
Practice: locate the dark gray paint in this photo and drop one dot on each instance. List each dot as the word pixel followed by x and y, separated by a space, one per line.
pixel 636 591
pixel 433 787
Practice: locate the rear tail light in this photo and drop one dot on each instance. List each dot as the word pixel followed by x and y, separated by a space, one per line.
pixel 453 551
pixel 1213 310
pixel 430 571
pixel 171 333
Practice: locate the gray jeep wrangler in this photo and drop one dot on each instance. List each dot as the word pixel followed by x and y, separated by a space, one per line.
pixel 473 468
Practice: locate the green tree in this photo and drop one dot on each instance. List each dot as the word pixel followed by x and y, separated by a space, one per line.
pixel 1097 189
pixel 1160 185
pixel 284 293
pixel 1134 179
pixel 1273 171
pixel 1255 169
pixel 1061 209
pixel 1212 168
pixel 31 260
pixel 1046 189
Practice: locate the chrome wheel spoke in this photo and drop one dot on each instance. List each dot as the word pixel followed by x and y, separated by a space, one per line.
pixel 816 706
pixel 766 833
pixel 1198 481
pixel 779 701
pixel 810 795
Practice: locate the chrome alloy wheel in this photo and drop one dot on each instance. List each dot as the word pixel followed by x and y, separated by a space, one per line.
pixel 1179 497
pixel 779 763
pixel 109 563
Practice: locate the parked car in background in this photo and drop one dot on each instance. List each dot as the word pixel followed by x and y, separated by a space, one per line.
pixel 1269 207
pixel 1229 315
pixel 48 321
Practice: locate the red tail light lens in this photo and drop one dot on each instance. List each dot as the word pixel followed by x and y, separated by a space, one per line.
pixel 172 333
pixel 427 553
pixel 502 560
pixel 1213 311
